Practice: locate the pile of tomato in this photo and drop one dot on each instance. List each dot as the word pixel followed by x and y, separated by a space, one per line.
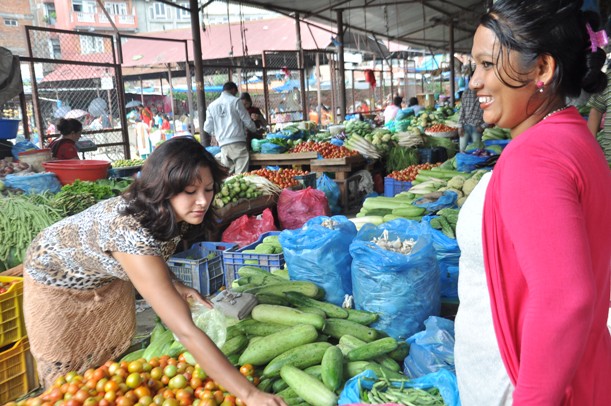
pixel 409 174
pixel 285 178
pixel 5 286
pixel 440 128
pixel 161 381
pixel 325 149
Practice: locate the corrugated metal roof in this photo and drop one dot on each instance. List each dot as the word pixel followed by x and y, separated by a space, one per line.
pixel 423 24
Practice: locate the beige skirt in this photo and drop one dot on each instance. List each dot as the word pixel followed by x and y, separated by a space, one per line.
pixel 73 330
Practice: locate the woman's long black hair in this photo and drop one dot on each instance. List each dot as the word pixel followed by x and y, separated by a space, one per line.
pixel 172 167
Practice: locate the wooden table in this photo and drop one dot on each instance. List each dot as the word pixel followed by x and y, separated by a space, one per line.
pixel 342 168
pixel 300 158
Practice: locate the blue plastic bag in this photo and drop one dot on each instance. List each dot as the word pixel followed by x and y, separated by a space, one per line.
pixel 37 183
pixel 321 255
pixel 466 162
pixel 432 349
pixel 22 146
pixel 403 289
pixel 443 380
pixel 337 142
pixel 446 201
pixel 331 190
pixel 271 148
pixel 213 149
pixel 282 136
pixel 448 255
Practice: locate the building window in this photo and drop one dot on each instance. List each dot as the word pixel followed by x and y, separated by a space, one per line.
pixel 84 6
pixel 10 22
pixel 116 8
pixel 183 14
pixel 55 49
pixel 159 11
pixel 91 45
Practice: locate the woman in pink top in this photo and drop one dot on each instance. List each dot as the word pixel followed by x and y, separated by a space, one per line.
pixel 546 229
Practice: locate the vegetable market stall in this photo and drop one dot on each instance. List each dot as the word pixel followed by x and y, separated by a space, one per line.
pixel 286 159
pixel 342 169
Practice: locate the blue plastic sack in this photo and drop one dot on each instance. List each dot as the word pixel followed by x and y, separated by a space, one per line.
pixel 431 350
pixel 282 136
pixel 403 289
pixel 271 148
pixel 22 146
pixel 320 255
pixel 446 201
pixel 213 149
pixel 404 113
pixel 37 183
pixel 466 162
pixel 448 255
pixel 337 142
pixel 331 190
pixel 443 380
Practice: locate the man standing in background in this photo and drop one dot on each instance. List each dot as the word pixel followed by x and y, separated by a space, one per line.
pixel 471 120
pixel 227 120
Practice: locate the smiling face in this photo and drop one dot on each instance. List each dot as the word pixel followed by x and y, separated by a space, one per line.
pixel 508 99
pixel 192 204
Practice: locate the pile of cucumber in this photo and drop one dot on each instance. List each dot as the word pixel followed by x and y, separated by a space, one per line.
pixel 303 348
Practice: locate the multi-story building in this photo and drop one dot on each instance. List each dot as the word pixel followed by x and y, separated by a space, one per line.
pixel 14 15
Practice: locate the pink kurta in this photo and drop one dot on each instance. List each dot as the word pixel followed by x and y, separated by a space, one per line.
pixel 547 249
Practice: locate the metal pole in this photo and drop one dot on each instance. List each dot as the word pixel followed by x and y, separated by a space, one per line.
pixel 452 78
pixel 199 71
pixel 26 119
pixel 318 91
pixel 189 89
pixel 340 59
pixel 302 82
pixel 171 93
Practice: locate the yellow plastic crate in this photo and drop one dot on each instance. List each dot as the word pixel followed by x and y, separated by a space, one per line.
pixel 12 326
pixel 17 371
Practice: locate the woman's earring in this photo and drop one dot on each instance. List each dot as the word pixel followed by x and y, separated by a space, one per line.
pixel 540 86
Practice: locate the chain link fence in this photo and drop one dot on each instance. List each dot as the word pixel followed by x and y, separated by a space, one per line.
pixel 284 98
pixel 76 75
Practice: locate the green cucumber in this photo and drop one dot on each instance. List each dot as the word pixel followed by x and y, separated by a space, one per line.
pixel 304 287
pixel 287 393
pixel 372 349
pixel 307 387
pixel 252 327
pixel 388 362
pixel 266 349
pixel 353 368
pixel 286 315
pixel 332 368
pixel 383 372
pixel 339 327
pixel 313 310
pixel 315 371
pixel 400 352
pixel 234 345
pixel 362 316
pixel 258 276
pixel 133 356
pixel 265 385
pixel 279 385
pixel 330 309
pixel 267 298
pixel 303 356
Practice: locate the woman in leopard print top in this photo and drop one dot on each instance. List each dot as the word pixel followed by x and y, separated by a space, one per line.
pixel 80 273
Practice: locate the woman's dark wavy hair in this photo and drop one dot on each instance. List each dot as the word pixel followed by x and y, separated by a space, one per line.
pixel 553 27
pixel 172 167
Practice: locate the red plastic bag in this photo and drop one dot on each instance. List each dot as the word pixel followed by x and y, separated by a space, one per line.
pixel 246 229
pixel 295 207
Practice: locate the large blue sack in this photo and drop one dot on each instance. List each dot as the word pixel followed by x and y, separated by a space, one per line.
pixel 443 380
pixel 431 350
pixel 403 289
pixel 331 190
pixel 448 255
pixel 447 201
pixel 34 183
pixel 321 255
pixel 271 148
pixel 467 162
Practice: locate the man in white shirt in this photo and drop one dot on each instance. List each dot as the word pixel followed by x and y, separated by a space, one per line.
pixel 227 119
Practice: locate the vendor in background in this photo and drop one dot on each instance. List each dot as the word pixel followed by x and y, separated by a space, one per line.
pixel 599 119
pixel 80 273
pixel 535 232
pixel 392 109
pixel 64 147
pixel 143 140
pixel 471 121
pixel 165 123
pixel 413 104
pixel 255 112
pixel 146 115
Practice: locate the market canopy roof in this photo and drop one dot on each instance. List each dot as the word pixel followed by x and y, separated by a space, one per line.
pixel 421 23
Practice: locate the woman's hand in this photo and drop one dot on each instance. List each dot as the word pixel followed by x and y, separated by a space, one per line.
pixel 190 293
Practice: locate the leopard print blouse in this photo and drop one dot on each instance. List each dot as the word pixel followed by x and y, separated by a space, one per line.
pixel 76 252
